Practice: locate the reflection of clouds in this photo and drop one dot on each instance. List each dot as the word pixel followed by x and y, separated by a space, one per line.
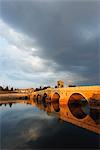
pixel 23 123
pixel 34 128
pixel 31 128
pixel 32 133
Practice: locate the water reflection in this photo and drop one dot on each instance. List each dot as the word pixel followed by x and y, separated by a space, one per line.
pixel 10 104
pixel 77 112
pixel 32 128
pixel 95 115
pixel 56 106
pixel 78 106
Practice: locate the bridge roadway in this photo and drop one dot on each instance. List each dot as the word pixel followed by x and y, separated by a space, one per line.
pixel 65 94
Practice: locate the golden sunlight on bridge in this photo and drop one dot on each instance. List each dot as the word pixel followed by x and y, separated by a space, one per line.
pixel 65 94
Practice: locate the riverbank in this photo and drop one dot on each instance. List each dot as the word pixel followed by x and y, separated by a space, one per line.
pixel 7 92
pixel 14 96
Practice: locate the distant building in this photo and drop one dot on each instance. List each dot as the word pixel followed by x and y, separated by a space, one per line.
pixel 30 90
pixel 60 84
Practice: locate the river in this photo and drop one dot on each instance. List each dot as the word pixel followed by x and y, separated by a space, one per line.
pixel 31 126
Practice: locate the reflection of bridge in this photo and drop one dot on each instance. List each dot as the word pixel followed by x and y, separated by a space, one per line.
pixel 89 122
pixel 76 116
pixel 64 94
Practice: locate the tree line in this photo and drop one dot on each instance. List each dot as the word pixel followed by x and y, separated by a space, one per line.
pixel 6 88
pixel 41 88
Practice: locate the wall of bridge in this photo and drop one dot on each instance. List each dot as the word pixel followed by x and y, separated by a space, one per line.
pixel 86 91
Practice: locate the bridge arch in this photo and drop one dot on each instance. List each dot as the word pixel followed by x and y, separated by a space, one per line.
pixel 34 97
pixel 55 101
pixel 78 105
pixel 55 97
pixel 44 97
pixel 38 97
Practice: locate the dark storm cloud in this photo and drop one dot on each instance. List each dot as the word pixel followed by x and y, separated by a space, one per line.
pixel 66 32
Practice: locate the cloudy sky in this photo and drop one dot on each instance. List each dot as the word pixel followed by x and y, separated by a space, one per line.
pixel 44 41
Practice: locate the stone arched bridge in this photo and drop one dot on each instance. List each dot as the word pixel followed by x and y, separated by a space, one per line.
pixel 68 93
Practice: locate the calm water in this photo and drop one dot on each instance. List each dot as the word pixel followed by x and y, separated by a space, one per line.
pixel 26 126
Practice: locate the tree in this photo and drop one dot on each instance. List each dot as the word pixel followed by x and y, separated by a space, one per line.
pixel 11 88
pixel 6 89
pixel 1 88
